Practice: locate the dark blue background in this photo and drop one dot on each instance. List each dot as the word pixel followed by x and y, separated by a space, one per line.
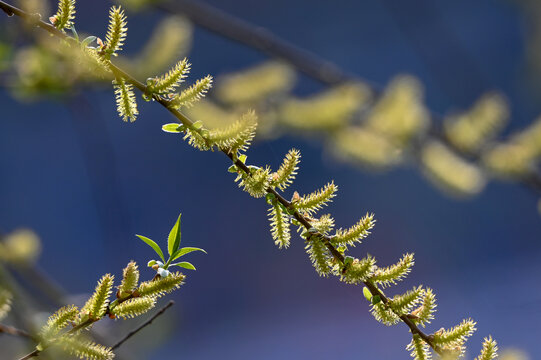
pixel 86 183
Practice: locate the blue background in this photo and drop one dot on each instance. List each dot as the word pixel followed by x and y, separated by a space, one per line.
pixel 86 183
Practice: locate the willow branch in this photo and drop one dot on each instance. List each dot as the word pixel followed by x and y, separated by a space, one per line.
pixel 306 62
pixel 82 325
pixel 30 355
pixel 258 38
pixel 143 325
pixel 11 330
pixel 183 119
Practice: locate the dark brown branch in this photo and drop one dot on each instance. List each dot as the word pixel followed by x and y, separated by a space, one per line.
pixel 258 38
pixel 183 119
pixel 142 326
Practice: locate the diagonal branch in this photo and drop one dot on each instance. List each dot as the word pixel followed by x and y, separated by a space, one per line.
pixel 11 330
pixel 183 119
pixel 256 37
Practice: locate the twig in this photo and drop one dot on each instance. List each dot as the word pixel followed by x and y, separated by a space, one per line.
pixel 56 293
pixel 11 330
pixel 143 325
pixel 41 281
pixel 82 325
pixel 30 355
pixel 258 38
pixel 310 64
pixel 118 72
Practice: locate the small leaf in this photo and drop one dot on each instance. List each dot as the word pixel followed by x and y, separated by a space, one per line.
pixel 185 265
pixel 151 263
pixel 153 245
pixel 172 128
pixel 243 158
pixel 197 125
pixel 270 198
pixel 233 169
pixel 367 294
pixel 376 299
pixel 184 251
pixel 75 35
pixel 173 242
pixel 88 40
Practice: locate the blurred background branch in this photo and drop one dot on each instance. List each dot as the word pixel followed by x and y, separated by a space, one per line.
pixel 460 152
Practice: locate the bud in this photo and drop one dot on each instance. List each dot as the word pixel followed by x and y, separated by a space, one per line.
pixel 163 273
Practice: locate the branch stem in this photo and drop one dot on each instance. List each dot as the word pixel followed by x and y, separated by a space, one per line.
pixel 183 119
pixel 34 353
pixel 11 330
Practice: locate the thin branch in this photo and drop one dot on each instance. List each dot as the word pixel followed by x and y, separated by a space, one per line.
pixel 41 281
pixel 11 330
pixel 189 123
pixel 142 326
pixel 82 325
pixel 310 64
pixel 258 38
pixel 56 293
pixel 30 355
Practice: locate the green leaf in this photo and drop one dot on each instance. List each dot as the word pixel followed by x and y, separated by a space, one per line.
pixel 270 198
pixel 75 35
pixel 185 265
pixel 242 158
pixel 171 128
pixel 184 251
pixel 233 169
pixel 153 245
pixel 151 263
pixel 367 294
pixel 197 125
pixel 376 299
pixel 88 40
pixel 173 242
